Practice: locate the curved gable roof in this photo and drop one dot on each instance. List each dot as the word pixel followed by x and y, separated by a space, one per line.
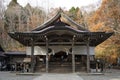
pixel 64 19
pixel 1 49
pixel 1 52
pixel 60 22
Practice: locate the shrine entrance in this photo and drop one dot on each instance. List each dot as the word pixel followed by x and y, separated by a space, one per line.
pixel 60 62
pixel 59 56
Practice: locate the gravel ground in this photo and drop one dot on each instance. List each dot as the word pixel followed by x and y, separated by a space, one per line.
pixel 109 75
pixel 112 74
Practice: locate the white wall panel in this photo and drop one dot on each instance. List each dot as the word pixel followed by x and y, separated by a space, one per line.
pixel 79 50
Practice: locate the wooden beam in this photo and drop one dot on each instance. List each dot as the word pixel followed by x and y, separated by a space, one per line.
pixel 46 54
pixel 73 56
pixel 56 43
pixel 32 55
pixel 88 56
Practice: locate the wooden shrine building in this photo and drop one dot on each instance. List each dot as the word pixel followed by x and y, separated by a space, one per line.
pixel 58 34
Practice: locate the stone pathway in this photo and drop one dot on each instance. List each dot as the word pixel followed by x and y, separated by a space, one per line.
pixel 58 77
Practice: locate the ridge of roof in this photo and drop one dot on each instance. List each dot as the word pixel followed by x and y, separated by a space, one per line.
pixel 63 18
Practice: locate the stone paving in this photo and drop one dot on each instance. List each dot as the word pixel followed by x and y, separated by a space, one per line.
pixel 110 75
pixel 58 77
pixel 13 76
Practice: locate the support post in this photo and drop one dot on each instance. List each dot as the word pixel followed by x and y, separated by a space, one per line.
pixel 88 56
pixel 46 54
pixel 32 55
pixel 15 67
pixel 73 55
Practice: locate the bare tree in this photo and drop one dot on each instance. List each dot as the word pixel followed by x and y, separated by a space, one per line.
pixel 2 8
pixel 18 18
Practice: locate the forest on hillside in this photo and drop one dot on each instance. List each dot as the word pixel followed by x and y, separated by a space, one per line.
pixel 105 18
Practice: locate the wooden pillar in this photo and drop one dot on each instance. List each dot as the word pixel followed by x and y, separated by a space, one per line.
pixel 88 56
pixel 73 55
pixel 32 55
pixel 46 54
pixel 16 66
